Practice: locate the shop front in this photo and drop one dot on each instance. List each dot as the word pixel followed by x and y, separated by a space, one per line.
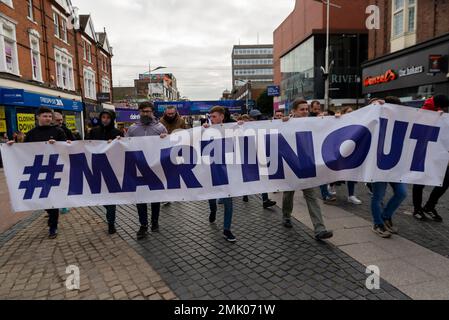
pixel 126 118
pixel 413 74
pixel 18 108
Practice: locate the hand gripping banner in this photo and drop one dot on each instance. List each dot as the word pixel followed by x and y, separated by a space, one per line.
pixel 377 143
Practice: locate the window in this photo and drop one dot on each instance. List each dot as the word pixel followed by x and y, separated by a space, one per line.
pixel 89 84
pixel 56 24
pixel 84 50
pixel 30 9
pixel 8 47
pixel 105 85
pixel 253 72
pixel 64 70
pixel 87 50
pixel 35 58
pixel 63 30
pixel 404 17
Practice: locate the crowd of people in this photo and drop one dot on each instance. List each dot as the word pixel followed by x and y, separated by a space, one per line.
pixel 51 128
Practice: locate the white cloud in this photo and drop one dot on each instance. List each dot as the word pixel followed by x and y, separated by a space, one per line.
pixel 193 38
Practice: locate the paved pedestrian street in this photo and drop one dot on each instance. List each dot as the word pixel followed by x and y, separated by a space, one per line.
pixel 189 259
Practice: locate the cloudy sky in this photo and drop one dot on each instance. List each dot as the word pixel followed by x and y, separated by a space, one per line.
pixel 193 38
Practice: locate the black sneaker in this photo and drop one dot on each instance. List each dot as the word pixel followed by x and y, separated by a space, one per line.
pixel 381 231
pixel 53 234
pixel 112 229
pixel 142 233
pixel 433 214
pixel 268 204
pixel 323 235
pixel 418 214
pixel 212 217
pixel 229 236
pixel 155 227
pixel 288 224
pixel 388 223
pixel 245 199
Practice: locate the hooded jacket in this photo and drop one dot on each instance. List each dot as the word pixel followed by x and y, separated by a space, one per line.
pixel 177 124
pixel 105 133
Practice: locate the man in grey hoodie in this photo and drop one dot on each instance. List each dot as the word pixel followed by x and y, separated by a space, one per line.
pixel 147 126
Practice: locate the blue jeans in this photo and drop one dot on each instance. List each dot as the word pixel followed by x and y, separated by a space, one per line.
pixel 142 210
pixel 351 188
pixel 325 192
pixel 379 189
pixel 228 211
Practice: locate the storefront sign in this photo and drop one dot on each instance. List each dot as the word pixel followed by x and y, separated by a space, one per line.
pixel 104 97
pixel 70 122
pixel 2 126
pixel 25 122
pixel 128 115
pixel 34 100
pixel 435 63
pixel 404 72
pixel 274 91
pixel 389 76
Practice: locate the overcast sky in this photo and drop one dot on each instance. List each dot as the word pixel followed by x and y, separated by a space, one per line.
pixel 193 38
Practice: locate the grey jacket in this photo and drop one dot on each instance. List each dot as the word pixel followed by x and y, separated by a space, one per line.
pixel 155 128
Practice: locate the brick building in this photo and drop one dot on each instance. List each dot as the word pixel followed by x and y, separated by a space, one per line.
pixel 408 54
pixel 39 63
pixel 299 52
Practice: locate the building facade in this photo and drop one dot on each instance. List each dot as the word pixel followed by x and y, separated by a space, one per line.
pixel 39 63
pixel 252 62
pixel 157 87
pixel 300 47
pixel 408 55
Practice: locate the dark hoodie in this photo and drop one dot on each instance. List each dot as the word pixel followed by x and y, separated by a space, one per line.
pixel 105 133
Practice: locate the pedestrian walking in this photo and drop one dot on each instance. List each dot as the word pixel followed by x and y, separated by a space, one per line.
pixel 147 126
pixel 300 109
pixel 46 131
pixel 107 131
pixel 439 103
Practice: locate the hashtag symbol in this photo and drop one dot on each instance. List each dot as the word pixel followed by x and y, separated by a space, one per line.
pixel 35 171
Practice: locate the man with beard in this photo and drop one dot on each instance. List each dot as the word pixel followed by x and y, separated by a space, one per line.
pixel 172 120
pixel 147 126
pixel 107 132
pixel 58 120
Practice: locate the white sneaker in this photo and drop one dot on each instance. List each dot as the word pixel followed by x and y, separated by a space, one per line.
pixel 354 200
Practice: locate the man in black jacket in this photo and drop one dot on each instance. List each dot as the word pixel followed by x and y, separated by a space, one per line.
pixel 45 131
pixel 107 132
pixel 58 120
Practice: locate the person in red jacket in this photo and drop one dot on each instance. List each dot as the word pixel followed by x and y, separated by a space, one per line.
pixel 439 103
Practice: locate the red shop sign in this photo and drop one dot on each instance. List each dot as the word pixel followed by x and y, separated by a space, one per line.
pixel 390 75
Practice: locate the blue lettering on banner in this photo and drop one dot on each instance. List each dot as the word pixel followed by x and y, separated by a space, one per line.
pixel 387 162
pixel 174 172
pixel 331 148
pixel 136 161
pixel 79 169
pixel 302 164
pixel 424 135
pixel 250 166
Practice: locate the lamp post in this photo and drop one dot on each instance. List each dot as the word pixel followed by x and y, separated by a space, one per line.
pixel 326 69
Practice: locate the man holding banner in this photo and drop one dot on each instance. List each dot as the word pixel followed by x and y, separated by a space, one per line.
pixel 147 126
pixel 44 132
pixel 300 109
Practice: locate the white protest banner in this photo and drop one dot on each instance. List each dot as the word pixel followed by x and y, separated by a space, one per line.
pixel 377 143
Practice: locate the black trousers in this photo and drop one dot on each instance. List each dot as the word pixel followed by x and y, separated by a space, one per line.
pixel 53 217
pixel 435 196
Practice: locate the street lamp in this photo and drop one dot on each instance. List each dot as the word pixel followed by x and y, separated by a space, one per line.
pixel 248 87
pixel 326 70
